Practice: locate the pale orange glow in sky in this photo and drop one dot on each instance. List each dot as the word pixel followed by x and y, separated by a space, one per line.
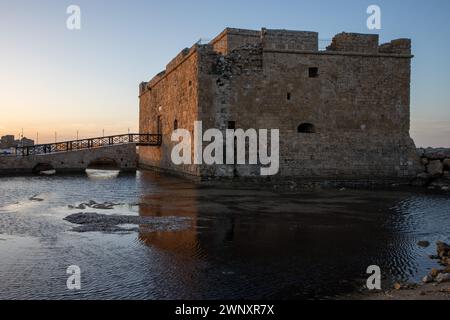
pixel 56 80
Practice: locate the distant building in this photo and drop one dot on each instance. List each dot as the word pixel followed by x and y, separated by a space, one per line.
pixel 9 141
pixel 25 142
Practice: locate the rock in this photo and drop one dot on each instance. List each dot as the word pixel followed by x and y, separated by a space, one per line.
pixel 434 273
pixel 91 222
pixel 423 244
pixel 397 286
pixel 435 168
pixel 428 279
pixel 445 261
pixel 443 277
pixel 35 198
pixel 446 164
pixel 440 184
pixel 443 249
pixel 424 161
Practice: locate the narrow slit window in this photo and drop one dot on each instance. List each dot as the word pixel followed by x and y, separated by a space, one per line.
pixel 288 96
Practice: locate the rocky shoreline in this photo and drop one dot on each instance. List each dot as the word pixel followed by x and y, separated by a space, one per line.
pixel 434 286
pixel 436 169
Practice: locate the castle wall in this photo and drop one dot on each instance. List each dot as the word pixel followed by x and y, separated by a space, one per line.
pixel 170 96
pixel 358 105
pixel 355 94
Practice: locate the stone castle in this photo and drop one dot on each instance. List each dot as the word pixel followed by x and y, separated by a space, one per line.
pixel 343 113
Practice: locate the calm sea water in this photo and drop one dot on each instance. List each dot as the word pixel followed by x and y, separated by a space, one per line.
pixel 242 242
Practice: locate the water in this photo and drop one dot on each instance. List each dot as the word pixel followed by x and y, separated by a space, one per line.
pixel 241 242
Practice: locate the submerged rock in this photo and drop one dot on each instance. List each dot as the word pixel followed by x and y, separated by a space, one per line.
pixel 35 198
pixel 94 205
pixel 92 222
pixel 423 244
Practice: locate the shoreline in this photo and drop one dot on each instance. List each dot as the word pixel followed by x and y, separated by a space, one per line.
pixel 428 291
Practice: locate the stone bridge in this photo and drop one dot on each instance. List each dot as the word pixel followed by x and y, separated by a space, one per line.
pixel 121 156
pixel 118 152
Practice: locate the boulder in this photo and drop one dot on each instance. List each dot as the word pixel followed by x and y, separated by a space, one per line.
pixel 424 161
pixel 428 279
pixel 446 164
pixel 435 272
pixel 443 277
pixel 435 168
pixel 443 249
pixel 397 286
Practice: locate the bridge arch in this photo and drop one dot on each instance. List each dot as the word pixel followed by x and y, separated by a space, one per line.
pixel 42 167
pixel 103 164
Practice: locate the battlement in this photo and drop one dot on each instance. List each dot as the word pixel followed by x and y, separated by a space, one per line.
pixel 289 40
pixel 232 39
pixel 368 43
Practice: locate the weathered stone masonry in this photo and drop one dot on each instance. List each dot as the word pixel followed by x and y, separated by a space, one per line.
pixel 343 113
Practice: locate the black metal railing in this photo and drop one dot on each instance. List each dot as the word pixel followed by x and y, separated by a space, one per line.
pixel 74 145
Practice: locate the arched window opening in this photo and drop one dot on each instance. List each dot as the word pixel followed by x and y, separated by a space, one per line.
pixel 306 128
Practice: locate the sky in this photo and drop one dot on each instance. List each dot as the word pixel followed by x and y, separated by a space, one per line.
pixel 53 79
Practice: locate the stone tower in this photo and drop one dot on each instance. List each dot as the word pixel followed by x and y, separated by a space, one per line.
pixel 343 113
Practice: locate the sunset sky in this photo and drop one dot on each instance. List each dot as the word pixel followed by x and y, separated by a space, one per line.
pixel 56 80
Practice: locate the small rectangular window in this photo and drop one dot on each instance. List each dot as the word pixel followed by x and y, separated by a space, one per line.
pixel 288 96
pixel 313 72
pixel 232 125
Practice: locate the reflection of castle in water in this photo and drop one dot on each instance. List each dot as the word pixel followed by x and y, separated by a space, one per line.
pixel 167 202
pixel 249 239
